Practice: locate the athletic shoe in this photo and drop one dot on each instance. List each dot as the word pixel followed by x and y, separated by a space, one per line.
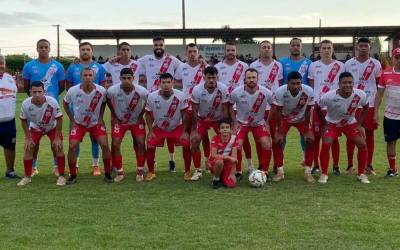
pixel 391 173
pixel 108 178
pixel 71 180
pixel 55 171
pixel 12 175
pixel 315 170
pixel 61 181
pixel 216 184
pixel 336 171
pixel 238 176
pixel 96 171
pixel 139 178
pixel 349 169
pixel 363 179
pixel 309 178
pixel 187 176
pixel 119 177
pixel 150 176
pixel 280 176
pixel 35 171
pixel 369 170
pixel 171 166
pixel 24 181
pixel 323 179
pixel 197 175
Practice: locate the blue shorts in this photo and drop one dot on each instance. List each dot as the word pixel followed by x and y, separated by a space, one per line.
pixel 8 134
pixel 391 129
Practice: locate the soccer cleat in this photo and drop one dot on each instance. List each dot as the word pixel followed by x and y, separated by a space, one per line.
pixel 55 171
pixel 12 175
pixel 363 179
pixel 119 177
pixel 391 173
pixel 71 180
pixel 24 181
pixel 323 179
pixel 187 176
pixel 239 176
pixel 315 170
pixel 216 184
pixel 61 181
pixel 369 170
pixel 197 175
pixel 108 178
pixel 349 169
pixel 96 171
pixel 139 178
pixel 280 176
pixel 336 171
pixel 309 178
pixel 150 176
pixel 35 171
pixel 171 166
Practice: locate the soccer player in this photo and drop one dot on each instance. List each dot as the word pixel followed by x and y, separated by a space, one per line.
pixel 292 107
pixel 150 69
pixel 187 76
pixel 8 131
pixel 73 78
pixel 323 76
pixel 88 104
pixel 231 73
pixel 210 102
pixel 390 84
pixel 45 118
pixel 126 101
pixel 366 72
pixel 51 73
pixel 251 101
pixel 123 60
pixel 270 77
pixel 166 118
pixel 341 105
pixel 223 156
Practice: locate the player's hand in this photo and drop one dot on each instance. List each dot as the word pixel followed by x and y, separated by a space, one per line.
pixel 29 144
pixel 235 128
pixel 278 138
pixel 107 85
pixel 203 62
pixel 194 135
pixel 308 136
pixel 57 143
pixel 362 130
pixel 150 135
pixel 231 159
pixel 376 118
pixel 185 136
pixel 114 60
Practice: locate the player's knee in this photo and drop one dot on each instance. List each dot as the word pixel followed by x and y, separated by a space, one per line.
pixel 116 144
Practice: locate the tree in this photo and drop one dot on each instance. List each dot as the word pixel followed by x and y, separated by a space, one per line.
pixel 227 38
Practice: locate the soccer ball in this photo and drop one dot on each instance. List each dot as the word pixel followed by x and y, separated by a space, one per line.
pixel 257 178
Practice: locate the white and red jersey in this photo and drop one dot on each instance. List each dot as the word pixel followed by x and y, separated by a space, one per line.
pixel 231 75
pixel 250 108
pixel 390 81
pixel 325 76
pixel 86 107
pixel 365 75
pixel 341 111
pixel 294 107
pixel 152 67
pixel 8 97
pixel 115 70
pixel 223 148
pixel 269 76
pixel 190 76
pixel 42 118
pixel 210 104
pixel 166 112
pixel 127 107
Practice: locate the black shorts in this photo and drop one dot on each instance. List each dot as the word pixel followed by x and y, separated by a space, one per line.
pixel 8 134
pixel 391 129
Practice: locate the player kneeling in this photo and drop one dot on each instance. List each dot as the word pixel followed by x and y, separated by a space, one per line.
pixel 292 107
pixel 88 102
pixel 223 156
pixel 126 102
pixel 341 107
pixel 45 118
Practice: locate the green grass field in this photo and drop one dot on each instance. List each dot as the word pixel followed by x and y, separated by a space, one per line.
pixel 172 214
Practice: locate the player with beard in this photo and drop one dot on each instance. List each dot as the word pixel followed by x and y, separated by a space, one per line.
pixel 150 69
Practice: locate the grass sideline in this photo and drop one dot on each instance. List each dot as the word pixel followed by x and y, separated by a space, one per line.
pixel 172 214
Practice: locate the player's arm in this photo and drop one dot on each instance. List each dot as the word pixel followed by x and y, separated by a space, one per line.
pixel 378 101
pixel 308 135
pixel 26 86
pixel 311 82
pixel 233 157
pixel 101 115
pixel 225 109
pixel 68 111
pixel 195 115
pixel 61 86
pixel 68 84
pixel 143 81
pixel 29 144
pixel 276 110
pixel 320 114
pixel 185 120
pixel 233 117
pixel 214 153
pixel 57 142
pixel 112 110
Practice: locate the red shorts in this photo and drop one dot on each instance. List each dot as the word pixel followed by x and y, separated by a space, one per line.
pixel 203 127
pixel 119 130
pixel 334 132
pixel 159 136
pixel 316 122
pixel 225 174
pixel 301 127
pixel 368 123
pixel 78 132
pixel 258 132
pixel 37 135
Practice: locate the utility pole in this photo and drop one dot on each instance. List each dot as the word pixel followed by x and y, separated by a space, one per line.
pixel 183 20
pixel 58 40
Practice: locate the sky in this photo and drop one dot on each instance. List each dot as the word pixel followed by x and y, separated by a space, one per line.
pixel 23 22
